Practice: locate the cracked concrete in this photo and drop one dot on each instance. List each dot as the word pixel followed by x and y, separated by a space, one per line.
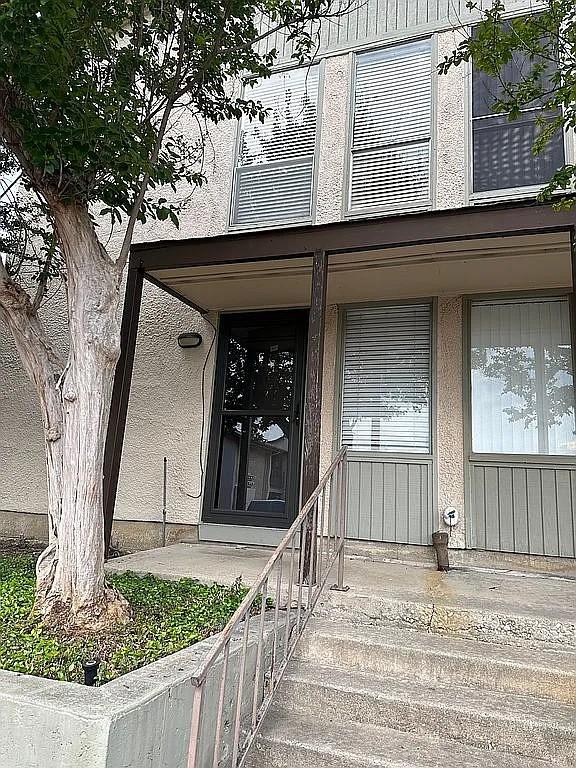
pixel 484 604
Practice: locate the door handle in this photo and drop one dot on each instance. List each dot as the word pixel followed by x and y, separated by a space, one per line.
pixel 296 417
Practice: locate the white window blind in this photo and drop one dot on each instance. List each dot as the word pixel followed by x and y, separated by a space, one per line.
pixel 274 175
pixel 392 128
pixel 522 388
pixel 387 374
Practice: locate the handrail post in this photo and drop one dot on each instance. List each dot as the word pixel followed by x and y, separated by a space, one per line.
pixel 342 518
pixel 193 747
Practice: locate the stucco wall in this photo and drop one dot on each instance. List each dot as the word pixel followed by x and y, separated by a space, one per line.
pixel 329 385
pixel 451 180
pixel 333 139
pixel 449 415
pixel 22 462
pixel 165 415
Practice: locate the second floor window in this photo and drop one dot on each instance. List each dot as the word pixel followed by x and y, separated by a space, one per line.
pixel 502 150
pixel 274 176
pixel 390 163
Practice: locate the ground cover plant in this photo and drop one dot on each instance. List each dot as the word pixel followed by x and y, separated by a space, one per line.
pixel 167 617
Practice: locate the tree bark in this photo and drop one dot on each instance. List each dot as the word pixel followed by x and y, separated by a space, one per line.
pixel 72 593
pixel 43 366
pixel 79 595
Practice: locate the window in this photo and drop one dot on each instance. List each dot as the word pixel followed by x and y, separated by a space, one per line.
pixel 274 174
pixel 387 374
pixel 522 388
pixel 390 163
pixel 502 151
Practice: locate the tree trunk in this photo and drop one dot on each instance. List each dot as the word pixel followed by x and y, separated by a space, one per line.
pixel 72 594
pixel 43 366
pixel 79 596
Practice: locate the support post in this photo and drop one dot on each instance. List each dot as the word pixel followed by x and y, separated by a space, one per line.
pixel 120 395
pixel 313 400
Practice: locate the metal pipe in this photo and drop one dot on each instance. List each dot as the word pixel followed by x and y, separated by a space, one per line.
pixel 258 671
pixel 276 616
pixel 164 484
pixel 90 669
pixel 440 542
pixel 321 541
pixel 195 726
pixel 289 599
pixel 343 501
pixel 301 568
pixel 242 674
pixel 217 744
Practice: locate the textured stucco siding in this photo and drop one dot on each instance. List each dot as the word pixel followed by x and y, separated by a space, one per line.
pixel 22 461
pixel 167 415
pixel 164 417
pixel 450 181
pixel 449 414
pixel 333 139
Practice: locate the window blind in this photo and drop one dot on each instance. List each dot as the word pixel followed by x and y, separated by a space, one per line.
pixel 274 174
pixel 502 150
pixel 387 377
pixel 522 383
pixel 390 163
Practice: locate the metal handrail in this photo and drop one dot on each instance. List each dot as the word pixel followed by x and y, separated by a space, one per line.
pixel 317 535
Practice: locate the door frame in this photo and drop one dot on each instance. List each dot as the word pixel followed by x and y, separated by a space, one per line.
pixel 298 318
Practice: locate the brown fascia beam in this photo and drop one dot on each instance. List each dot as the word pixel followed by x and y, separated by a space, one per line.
pixel 172 292
pixel 486 221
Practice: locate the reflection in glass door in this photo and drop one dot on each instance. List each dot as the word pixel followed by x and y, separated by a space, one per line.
pixel 254 452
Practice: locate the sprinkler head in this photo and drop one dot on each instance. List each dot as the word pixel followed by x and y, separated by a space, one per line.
pixel 90 671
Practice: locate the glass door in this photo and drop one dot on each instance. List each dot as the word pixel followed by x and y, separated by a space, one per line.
pixel 254 453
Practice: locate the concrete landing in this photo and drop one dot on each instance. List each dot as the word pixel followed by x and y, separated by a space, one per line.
pixel 391 674
pixel 477 603
pixel 208 563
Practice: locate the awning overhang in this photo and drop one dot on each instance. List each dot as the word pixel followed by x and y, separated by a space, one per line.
pixel 420 254
pixel 458 251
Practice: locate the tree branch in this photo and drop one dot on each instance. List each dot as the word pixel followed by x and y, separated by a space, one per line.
pixel 169 104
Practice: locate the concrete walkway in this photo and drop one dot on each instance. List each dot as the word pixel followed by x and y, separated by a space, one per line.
pixel 209 563
pixel 547 597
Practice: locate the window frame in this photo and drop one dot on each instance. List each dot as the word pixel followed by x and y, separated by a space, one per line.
pixel 348 211
pixel 510 193
pixel 538 459
pixel 231 226
pixel 393 456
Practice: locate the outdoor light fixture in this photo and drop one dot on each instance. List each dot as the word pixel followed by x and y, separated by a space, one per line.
pixel 189 340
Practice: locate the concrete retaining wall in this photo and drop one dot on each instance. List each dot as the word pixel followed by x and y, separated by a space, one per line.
pixel 140 720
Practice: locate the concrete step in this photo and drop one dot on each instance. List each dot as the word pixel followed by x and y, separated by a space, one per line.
pixel 289 740
pixel 462 558
pixel 519 725
pixel 496 607
pixel 548 672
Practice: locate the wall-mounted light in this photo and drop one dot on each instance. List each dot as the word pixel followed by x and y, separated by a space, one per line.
pixel 189 340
